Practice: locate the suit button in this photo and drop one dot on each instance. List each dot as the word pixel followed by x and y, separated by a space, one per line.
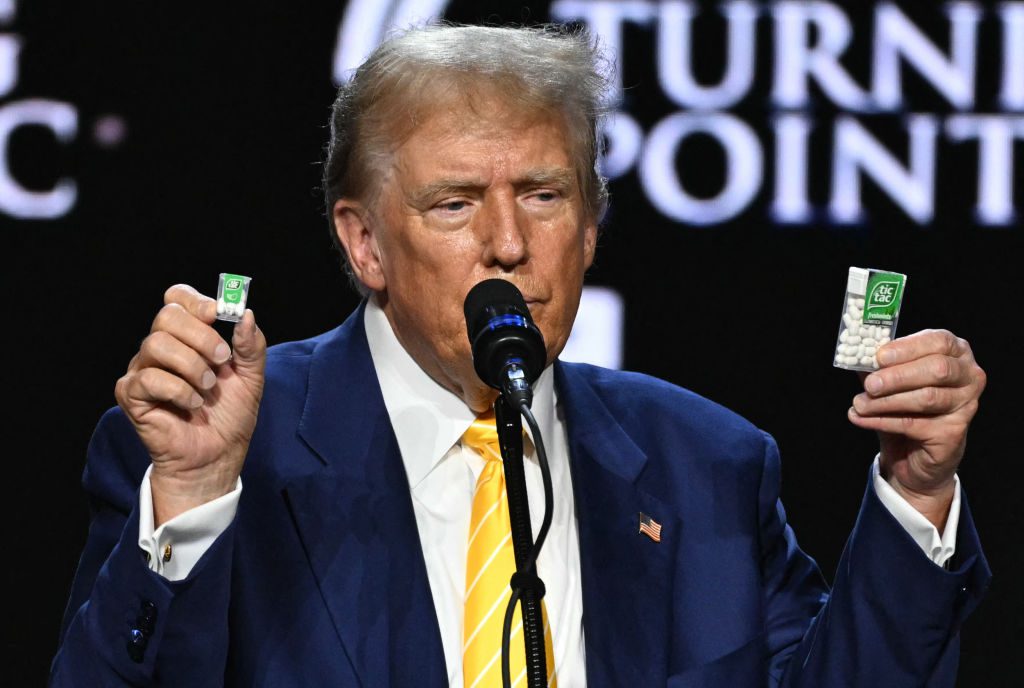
pixel 136 645
pixel 146 620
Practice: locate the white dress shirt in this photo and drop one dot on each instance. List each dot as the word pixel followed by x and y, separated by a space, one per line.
pixel 428 421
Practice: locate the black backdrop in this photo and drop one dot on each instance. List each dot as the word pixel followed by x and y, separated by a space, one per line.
pixel 223 108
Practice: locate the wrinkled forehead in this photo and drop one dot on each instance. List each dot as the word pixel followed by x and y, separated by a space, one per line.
pixel 468 150
pixel 473 102
pixel 451 123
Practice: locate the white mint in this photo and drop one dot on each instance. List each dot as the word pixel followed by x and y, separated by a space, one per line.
pixel 858 343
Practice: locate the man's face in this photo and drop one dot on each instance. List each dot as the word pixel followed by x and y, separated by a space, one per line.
pixel 472 195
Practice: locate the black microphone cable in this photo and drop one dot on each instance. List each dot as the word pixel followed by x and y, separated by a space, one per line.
pixel 529 569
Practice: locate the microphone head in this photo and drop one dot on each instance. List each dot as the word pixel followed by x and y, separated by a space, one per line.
pixel 501 330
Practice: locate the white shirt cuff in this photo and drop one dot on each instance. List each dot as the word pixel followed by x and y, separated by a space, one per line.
pixel 937 548
pixel 175 547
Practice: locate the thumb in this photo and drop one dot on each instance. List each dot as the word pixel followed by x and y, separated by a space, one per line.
pixel 249 346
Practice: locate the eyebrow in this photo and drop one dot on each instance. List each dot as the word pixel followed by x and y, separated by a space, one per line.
pixel 443 187
pixel 554 176
pixel 557 176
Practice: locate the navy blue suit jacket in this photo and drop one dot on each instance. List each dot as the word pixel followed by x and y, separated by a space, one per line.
pixel 320 580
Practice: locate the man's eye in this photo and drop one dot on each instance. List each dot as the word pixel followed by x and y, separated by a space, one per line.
pixel 545 196
pixel 452 206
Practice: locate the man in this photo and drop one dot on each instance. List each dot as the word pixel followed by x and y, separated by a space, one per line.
pixel 458 155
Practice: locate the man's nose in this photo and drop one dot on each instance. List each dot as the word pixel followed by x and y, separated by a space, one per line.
pixel 505 241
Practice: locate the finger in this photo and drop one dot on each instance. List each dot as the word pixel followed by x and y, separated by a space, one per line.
pixel 921 344
pixel 152 386
pixel 931 370
pixel 162 350
pixel 199 305
pixel 176 320
pixel 918 428
pixel 924 401
pixel 250 346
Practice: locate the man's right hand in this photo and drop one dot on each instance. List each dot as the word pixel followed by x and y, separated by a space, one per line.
pixel 192 401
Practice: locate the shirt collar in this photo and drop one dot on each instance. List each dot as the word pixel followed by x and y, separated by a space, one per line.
pixel 428 419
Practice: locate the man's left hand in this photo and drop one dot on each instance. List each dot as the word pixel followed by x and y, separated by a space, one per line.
pixel 921 401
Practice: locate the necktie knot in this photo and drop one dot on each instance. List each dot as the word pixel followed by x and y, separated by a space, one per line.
pixel 482 437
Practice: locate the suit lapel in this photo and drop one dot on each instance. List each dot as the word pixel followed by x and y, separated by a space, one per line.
pixel 626 576
pixel 356 520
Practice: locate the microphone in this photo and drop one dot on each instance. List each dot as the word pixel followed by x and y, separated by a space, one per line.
pixel 509 355
pixel 508 349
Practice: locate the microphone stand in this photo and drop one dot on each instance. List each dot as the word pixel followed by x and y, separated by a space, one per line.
pixel 526 585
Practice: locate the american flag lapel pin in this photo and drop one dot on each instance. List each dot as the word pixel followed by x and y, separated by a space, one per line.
pixel 650 527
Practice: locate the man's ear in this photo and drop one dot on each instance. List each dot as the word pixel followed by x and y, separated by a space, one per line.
pixel 354 230
pixel 589 243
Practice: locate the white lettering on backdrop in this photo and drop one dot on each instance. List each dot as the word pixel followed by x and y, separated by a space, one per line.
pixel 809 42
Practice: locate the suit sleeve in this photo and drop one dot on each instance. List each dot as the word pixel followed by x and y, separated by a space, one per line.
pixel 893 616
pixel 126 625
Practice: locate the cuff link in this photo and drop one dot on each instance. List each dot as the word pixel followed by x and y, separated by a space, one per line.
pixel 167 553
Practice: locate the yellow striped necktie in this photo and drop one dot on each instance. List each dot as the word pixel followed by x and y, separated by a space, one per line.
pixel 490 563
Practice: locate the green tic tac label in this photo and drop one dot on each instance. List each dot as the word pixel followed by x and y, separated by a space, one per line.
pixel 233 288
pixel 882 300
